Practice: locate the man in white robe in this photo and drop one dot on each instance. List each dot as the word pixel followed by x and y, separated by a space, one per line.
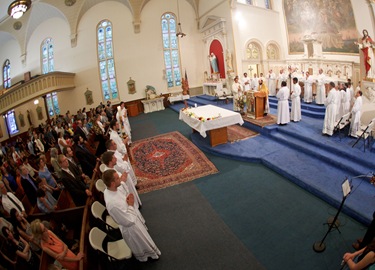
pixel 113 135
pixel 308 80
pixel 122 210
pixel 255 82
pixel 330 115
pixel 246 82
pixel 355 123
pixel 295 114
pixel 282 77
pixel 283 116
pixel 271 83
pixel 122 117
pixel 339 109
pixel 237 91
pixel 321 88
pixel 110 161
pixel 123 163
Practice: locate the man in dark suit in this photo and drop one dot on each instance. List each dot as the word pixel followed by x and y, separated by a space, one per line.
pixel 84 156
pixel 28 184
pixel 73 166
pixel 73 183
pixel 79 130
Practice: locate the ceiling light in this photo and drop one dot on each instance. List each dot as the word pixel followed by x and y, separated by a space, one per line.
pixel 17 8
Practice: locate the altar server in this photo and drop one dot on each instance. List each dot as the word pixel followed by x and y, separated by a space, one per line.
pixel 237 91
pixel 246 82
pixel 331 107
pixel 356 114
pixel 283 105
pixel 121 208
pixel 308 80
pixel 295 114
pixel 321 88
pixel 271 82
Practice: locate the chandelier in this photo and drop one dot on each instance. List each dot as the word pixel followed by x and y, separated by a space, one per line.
pixel 17 8
pixel 179 28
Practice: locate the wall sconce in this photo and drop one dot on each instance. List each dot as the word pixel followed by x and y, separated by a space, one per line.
pixel 36 102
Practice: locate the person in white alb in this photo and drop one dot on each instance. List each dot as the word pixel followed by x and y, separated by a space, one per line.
pixel 237 91
pixel 122 118
pixel 331 107
pixel 308 80
pixel 321 88
pixel 271 81
pixel 114 127
pixel 295 114
pixel 355 123
pixel 255 82
pixel 283 116
pixel 246 82
pixel 282 77
pixel 121 208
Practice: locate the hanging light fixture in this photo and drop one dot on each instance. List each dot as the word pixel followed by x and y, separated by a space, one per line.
pixel 179 28
pixel 17 8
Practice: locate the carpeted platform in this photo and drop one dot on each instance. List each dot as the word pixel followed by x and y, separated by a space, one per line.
pixel 237 133
pixel 166 160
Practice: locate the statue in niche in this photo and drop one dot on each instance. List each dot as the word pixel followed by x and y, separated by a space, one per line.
pixel 367 46
pixel 228 61
pixel 213 62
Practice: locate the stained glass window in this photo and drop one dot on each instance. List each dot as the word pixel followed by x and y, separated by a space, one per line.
pixel 106 60
pixel 6 75
pixel 171 50
pixel 53 104
pixel 47 56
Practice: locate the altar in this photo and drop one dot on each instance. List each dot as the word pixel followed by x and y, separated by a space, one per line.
pixel 153 105
pixel 213 119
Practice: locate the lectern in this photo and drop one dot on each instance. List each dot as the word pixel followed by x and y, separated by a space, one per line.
pixel 256 102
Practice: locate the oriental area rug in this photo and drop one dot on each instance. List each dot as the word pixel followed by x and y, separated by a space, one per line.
pixel 267 120
pixel 237 133
pixel 166 160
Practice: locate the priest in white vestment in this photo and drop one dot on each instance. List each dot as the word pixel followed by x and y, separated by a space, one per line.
pixel 283 116
pixel 339 101
pixel 123 164
pixel 122 210
pixel 122 117
pixel 295 114
pixel 110 161
pixel 246 82
pixel 114 127
pixel 237 91
pixel 321 88
pixel 282 77
pixel 255 82
pixel 307 94
pixel 355 123
pixel 330 115
pixel 271 83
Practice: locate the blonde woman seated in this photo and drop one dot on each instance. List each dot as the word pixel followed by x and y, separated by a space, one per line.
pixel 54 247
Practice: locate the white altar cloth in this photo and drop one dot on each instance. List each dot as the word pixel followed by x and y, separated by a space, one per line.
pixel 222 118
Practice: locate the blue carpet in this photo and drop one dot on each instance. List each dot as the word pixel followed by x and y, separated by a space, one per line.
pixel 317 163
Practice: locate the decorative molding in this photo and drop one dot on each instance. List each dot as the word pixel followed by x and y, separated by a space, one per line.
pixel 36 87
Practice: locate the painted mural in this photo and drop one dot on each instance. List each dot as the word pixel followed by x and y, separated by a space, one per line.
pixel 331 22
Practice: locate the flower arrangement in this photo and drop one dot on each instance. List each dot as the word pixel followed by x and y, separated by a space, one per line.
pixel 200 118
pixel 241 101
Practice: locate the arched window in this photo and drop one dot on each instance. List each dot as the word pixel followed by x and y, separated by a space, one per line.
pixel 171 50
pixel 6 75
pixel 47 56
pixel 106 60
pixel 267 4
pixel 253 51
pixel 53 104
pixel 272 52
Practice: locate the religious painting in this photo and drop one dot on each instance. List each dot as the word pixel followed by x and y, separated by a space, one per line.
pixel 131 86
pixel 39 112
pixel 89 98
pixel 22 119
pixel 330 22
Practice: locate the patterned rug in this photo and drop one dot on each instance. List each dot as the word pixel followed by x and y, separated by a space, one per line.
pixel 267 120
pixel 237 133
pixel 166 160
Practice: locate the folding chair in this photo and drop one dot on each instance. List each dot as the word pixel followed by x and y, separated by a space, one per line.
pixel 99 185
pixel 99 211
pixel 342 123
pixel 366 134
pixel 114 250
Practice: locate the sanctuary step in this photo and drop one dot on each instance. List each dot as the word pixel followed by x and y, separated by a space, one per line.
pixel 312 110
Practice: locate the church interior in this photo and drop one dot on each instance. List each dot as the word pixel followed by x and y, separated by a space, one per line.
pixel 265 207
